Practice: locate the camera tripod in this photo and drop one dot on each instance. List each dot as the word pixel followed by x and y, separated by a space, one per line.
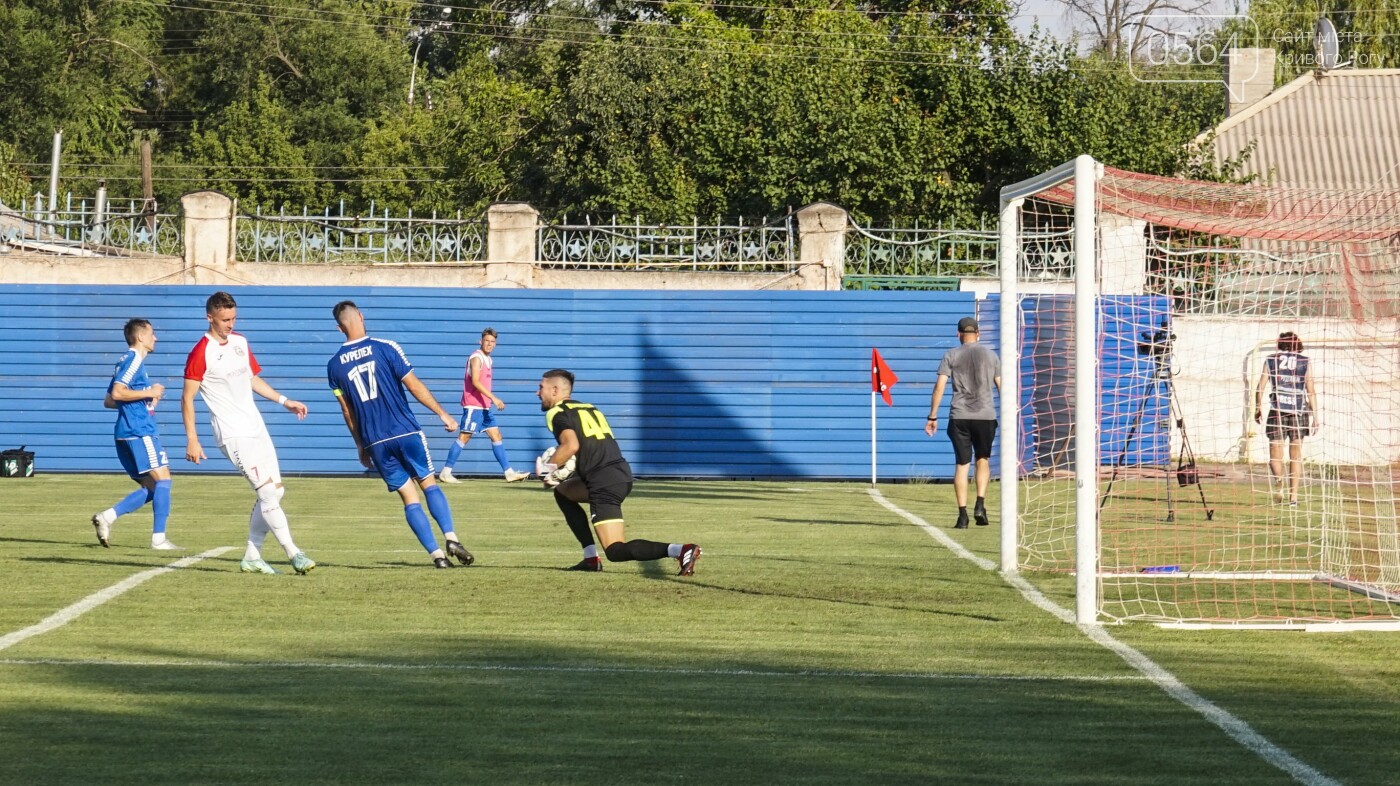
pixel 1187 473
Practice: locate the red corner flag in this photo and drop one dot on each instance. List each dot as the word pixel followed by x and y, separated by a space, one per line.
pixel 881 378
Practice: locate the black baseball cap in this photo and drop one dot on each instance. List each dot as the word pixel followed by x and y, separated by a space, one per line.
pixel 967 325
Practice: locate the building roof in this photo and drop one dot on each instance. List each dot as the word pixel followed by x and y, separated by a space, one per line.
pixel 1335 129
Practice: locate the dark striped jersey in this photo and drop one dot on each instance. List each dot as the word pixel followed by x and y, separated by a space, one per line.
pixel 1287 372
pixel 597 448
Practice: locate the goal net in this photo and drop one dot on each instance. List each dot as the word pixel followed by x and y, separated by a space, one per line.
pixel 1152 314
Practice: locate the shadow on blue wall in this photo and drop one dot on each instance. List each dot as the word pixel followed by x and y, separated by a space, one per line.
pixel 674 399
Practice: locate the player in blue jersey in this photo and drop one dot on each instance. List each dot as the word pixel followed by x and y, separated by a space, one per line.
pixel 1292 412
pixel 368 376
pixel 134 397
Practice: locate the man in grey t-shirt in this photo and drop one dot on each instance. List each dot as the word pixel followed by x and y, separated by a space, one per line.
pixel 972 416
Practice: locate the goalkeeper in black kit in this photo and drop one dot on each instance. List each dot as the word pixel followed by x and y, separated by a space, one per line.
pixel 601 477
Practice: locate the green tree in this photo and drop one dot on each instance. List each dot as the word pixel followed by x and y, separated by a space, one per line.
pixel 463 155
pixel 1368 32
pixel 80 65
pixel 246 150
pixel 14 183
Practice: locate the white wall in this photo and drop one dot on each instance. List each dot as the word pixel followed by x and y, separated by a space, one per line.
pixel 1356 371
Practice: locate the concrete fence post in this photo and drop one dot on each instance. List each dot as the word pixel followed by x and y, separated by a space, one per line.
pixel 208 232
pixel 512 229
pixel 821 231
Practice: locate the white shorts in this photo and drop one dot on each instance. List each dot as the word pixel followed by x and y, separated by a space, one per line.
pixel 255 457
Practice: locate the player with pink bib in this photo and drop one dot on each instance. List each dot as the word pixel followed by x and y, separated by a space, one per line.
pixel 477 400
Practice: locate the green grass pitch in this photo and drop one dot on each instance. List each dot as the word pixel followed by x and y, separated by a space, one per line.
pixel 822 640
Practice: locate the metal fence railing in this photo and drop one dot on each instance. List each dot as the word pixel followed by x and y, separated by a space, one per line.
pixel 923 252
pixel 929 256
pixel 94 227
pixel 769 246
pixel 374 237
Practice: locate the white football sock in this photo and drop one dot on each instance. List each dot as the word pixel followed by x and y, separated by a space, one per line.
pixel 590 551
pixel 257 531
pixel 277 522
pixel 673 550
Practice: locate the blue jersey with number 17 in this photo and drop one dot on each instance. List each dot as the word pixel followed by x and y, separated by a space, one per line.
pixel 368 373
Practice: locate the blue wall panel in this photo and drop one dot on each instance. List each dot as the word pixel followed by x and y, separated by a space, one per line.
pixel 1133 409
pixel 703 384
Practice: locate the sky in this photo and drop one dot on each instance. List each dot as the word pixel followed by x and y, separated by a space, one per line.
pixel 1049 13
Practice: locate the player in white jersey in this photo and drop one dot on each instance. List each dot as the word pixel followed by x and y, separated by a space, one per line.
pixel 477 400
pixel 222 369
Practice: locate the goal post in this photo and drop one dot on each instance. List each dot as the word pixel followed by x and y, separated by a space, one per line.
pixel 1142 317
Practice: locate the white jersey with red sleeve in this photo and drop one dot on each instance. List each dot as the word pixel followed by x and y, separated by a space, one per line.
pixel 225 371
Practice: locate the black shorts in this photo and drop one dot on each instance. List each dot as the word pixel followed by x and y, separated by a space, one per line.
pixel 1287 425
pixel 607 488
pixel 971 437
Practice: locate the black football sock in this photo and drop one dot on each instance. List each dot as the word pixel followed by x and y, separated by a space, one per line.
pixel 635 551
pixel 576 518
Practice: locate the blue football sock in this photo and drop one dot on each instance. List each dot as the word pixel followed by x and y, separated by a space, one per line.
pixel 452 455
pixel 160 506
pixel 437 505
pixel 418 522
pixel 133 501
pixel 500 451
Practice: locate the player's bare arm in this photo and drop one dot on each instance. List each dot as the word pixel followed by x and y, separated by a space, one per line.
pixel 349 416
pixel 475 365
pixel 1259 395
pixel 1312 398
pixel 931 424
pixel 568 447
pixel 265 390
pixel 425 397
pixel 123 393
pixel 193 450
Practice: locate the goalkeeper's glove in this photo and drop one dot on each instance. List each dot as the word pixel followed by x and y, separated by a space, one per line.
pixel 552 478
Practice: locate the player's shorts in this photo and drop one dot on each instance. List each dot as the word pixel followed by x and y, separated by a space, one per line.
pixel 971 438
pixel 401 459
pixel 607 488
pixel 140 455
pixel 476 419
pixel 255 457
pixel 1287 425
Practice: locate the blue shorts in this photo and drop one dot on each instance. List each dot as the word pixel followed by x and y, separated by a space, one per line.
pixel 140 455
pixel 401 459
pixel 476 419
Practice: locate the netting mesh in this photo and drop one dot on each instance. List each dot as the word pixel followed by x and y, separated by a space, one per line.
pixel 1206 514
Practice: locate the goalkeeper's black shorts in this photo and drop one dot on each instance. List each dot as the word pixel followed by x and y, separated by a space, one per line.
pixel 607 488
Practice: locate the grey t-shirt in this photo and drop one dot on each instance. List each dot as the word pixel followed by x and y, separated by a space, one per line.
pixel 973 370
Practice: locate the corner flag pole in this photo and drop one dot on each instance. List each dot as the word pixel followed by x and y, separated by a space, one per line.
pixel 881 380
pixel 872 439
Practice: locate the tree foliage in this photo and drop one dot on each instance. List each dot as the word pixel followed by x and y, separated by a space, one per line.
pixel 668 110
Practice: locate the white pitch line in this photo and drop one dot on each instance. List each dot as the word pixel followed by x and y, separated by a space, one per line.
pixel 66 615
pixel 1236 729
pixel 489 667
